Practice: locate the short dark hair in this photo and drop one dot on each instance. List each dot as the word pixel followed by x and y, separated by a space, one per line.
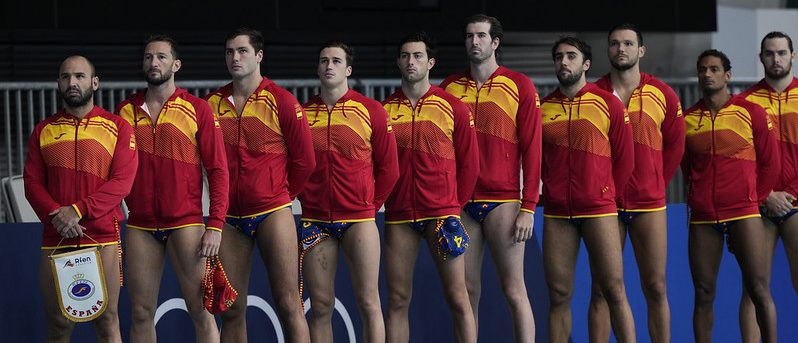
pixel 627 26
pixel 715 53
pixel 166 39
pixel 422 37
pixel 348 50
pixel 255 37
pixel 577 43
pixel 772 35
pixel 496 29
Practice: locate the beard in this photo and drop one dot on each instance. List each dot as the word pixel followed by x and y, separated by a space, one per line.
pixel 570 79
pixel 623 66
pixel 481 57
pixel 77 100
pixel 779 74
pixel 157 81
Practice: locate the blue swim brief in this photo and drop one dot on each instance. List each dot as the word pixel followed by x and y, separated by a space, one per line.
pixel 628 216
pixel 161 235
pixel 247 225
pixel 778 220
pixel 310 233
pixel 478 210
pixel 450 233
pixel 723 229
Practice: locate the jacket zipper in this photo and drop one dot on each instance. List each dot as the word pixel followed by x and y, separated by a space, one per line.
pixel 570 180
pixel 77 129
pixel 413 142
pixel 238 155
pixel 712 164
pixel 329 161
pixel 157 206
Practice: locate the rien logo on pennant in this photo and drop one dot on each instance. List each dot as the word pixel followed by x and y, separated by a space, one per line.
pixel 80 285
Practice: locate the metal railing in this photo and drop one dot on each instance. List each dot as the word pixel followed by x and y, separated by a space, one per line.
pixel 24 104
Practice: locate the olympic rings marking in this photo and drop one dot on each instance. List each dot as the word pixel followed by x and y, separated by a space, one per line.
pixel 252 300
pixel 258 302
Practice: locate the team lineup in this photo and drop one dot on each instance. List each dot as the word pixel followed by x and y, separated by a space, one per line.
pixel 457 165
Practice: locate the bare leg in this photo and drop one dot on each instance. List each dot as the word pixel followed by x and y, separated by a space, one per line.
pixel 560 249
pixel 705 248
pixel 278 245
pixel 183 249
pixel 749 329
pixel 361 245
pixel 107 324
pixel 59 329
pixel 748 236
pixel 319 267
pixel 604 250
pixel 235 253
pixel 599 325
pixel 789 236
pixel 452 274
pixel 508 257
pixel 473 262
pixel 649 236
pixel 144 258
pixel 401 251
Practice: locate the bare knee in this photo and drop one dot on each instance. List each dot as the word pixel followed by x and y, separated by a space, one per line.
pixel 399 300
pixel 656 291
pixel 704 294
pixel 560 295
pixel 595 293
pixel 758 291
pixel 614 291
pixel 288 303
pixel 369 304
pixel 515 293
pixel 107 325
pixel 59 328
pixel 196 310
pixel 237 312
pixel 458 301
pixel 322 307
pixel 142 313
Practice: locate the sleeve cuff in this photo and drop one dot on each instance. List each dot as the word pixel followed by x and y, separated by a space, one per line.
pixel 214 224
pixel 528 206
pixel 77 207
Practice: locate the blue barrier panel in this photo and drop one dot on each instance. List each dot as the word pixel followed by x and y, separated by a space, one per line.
pixel 22 317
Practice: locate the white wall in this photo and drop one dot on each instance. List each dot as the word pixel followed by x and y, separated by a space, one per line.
pixel 740 31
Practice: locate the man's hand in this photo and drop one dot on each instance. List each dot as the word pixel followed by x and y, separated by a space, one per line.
pixel 211 240
pixel 524 224
pixel 779 203
pixel 65 220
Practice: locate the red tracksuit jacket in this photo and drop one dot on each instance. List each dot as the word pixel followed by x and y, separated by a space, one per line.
pixel 356 161
pixel 268 146
pixel 588 153
pixel 89 164
pixel 658 128
pixel 507 119
pixel 167 193
pixel 731 163
pixel 438 156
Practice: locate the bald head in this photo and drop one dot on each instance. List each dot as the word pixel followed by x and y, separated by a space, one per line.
pixel 77 82
pixel 78 61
